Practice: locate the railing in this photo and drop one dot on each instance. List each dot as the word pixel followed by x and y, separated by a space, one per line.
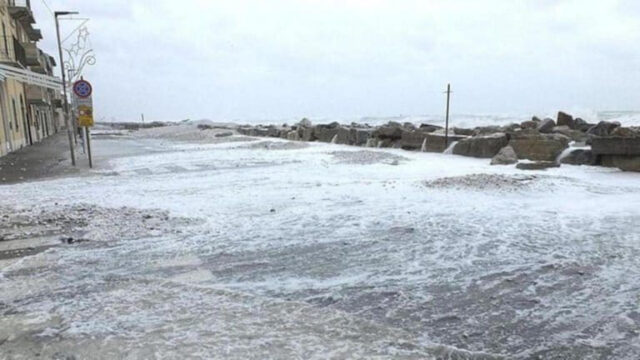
pixel 11 51
pixel 21 55
pixel 20 3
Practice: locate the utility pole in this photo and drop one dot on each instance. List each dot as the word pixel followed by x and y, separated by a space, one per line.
pixel 142 117
pixel 446 126
pixel 64 85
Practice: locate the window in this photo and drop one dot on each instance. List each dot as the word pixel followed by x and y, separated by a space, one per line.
pixel 15 115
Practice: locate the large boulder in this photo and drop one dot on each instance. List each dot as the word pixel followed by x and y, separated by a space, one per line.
pixel 626 132
pixel 343 136
pixel 436 142
pixel 245 130
pixel 575 135
pixel 538 165
pixel 305 123
pixel 391 131
pixel 565 119
pixel 360 136
pixel 620 152
pixel 260 131
pixel 429 127
pixel 539 147
pixel 408 126
pixel 603 128
pixel 277 131
pixel 412 140
pixel 506 156
pixel 325 133
pixel 462 131
pixel 293 135
pixel 546 126
pixel 486 130
pixel 306 133
pixel 581 125
pixel 485 146
pixel 530 124
pixel 616 146
pixel 622 162
pixel 578 157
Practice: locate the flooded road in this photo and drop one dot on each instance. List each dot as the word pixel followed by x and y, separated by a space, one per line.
pixel 270 249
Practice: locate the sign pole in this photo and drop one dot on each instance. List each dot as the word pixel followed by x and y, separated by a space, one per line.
pixel 88 136
pixel 84 104
pixel 446 126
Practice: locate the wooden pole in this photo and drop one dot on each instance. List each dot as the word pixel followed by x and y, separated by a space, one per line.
pixel 446 126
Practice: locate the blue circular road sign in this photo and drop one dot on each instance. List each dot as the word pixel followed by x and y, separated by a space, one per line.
pixel 82 89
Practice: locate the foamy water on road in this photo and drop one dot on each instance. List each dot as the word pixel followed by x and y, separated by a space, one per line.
pixel 327 251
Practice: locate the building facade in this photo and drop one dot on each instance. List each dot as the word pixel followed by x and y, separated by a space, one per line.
pixel 30 100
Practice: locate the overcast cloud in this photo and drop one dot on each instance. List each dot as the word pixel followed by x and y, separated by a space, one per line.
pixel 273 59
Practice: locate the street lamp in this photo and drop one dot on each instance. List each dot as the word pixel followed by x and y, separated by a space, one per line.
pixel 64 84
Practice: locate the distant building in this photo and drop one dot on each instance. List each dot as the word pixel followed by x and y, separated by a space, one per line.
pixel 30 99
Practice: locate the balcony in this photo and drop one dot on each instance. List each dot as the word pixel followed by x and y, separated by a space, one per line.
pixel 21 10
pixel 32 33
pixel 36 95
pixel 32 54
pixel 12 52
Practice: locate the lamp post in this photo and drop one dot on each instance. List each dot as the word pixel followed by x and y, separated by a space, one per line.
pixel 64 84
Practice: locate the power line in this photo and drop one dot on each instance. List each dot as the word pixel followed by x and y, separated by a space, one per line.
pixel 47 6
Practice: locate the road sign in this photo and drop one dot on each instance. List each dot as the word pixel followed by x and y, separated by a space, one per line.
pixel 82 88
pixel 85 114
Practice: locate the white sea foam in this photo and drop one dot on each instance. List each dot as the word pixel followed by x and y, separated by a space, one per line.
pixel 305 255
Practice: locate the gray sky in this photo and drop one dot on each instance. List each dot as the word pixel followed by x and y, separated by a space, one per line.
pixel 282 58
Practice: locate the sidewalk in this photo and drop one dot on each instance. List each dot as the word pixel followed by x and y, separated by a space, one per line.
pixel 48 158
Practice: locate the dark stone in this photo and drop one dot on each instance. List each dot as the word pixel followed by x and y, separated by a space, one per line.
pixel 390 131
pixel 306 133
pixel 615 146
pixel 293 135
pixel 581 125
pixel 546 126
pixel 412 140
pixel 565 119
pixel 224 134
pixel 535 119
pixel 538 147
pixel 305 123
pixel 622 162
pixel 343 136
pixel 575 135
pixel 539 165
pixel 437 143
pixel 486 130
pixel 486 146
pixel 530 124
pixel 205 127
pixel 325 133
pixel 408 126
pixel 579 157
pixel 461 131
pixel 603 128
pixel 360 136
pixel 506 156
pixel 626 132
pixel 511 127
pixel 429 127
pixel 260 131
